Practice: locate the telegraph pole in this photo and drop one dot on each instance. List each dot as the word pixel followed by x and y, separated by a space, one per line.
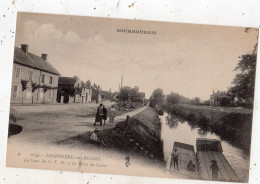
pixel 121 82
pixel 119 96
pixel 120 92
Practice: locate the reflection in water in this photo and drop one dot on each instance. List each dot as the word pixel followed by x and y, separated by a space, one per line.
pixel 202 132
pixel 171 122
pixel 175 130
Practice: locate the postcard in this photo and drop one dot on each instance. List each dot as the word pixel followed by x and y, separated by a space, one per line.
pixel 132 97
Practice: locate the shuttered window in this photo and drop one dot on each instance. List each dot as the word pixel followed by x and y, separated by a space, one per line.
pixel 15 91
pixel 17 72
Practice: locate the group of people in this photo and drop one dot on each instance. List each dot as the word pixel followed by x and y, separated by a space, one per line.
pixel 191 166
pixel 102 114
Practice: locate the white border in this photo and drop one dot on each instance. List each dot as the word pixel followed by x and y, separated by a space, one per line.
pixel 244 13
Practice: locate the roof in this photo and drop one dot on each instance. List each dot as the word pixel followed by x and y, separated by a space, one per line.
pixel 219 94
pixel 204 144
pixel 95 88
pixel 33 61
pixel 68 80
pixel 183 146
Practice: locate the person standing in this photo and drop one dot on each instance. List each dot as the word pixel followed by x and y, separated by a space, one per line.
pixel 175 157
pixel 214 168
pixel 99 115
pixel 104 115
pixel 112 114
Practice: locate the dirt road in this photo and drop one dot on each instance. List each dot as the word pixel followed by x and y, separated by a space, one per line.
pixel 51 123
pixel 45 125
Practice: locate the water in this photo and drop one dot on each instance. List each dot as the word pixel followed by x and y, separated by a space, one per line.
pixel 174 129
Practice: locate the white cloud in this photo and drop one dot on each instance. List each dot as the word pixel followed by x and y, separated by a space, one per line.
pixel 71 37
pixel 48 31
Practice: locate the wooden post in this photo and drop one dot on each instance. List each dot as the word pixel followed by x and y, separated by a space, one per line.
pixel 119 96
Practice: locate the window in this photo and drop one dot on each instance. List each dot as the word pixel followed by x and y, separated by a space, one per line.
pixel 50 80
pixel 43 76
pixel 30 75
pixel 17 72
pixel 15 91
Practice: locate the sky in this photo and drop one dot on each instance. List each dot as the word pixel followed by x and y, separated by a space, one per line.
pixel 190 59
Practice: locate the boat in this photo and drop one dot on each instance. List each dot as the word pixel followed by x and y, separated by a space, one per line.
pixel 208 150
pixel 186 154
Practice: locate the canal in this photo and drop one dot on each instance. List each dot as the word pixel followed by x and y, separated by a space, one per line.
pixel 175 129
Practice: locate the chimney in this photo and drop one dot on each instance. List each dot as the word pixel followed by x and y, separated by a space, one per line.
pixel 44 56
pixel 24 47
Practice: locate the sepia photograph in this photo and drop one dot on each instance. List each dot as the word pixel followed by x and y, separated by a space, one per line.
pixel 132 97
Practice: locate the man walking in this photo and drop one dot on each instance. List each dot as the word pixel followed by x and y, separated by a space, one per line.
pixel 104 116
pixel 175 156
pixel 99 115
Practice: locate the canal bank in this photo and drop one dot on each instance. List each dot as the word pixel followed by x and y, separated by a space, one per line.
pixel 234 127
pixel 140 134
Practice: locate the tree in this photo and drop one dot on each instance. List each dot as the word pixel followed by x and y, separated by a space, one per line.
pixel 156 98
pixel 88 84
pixel 24 86
pixel 34 87
pixel 45 89
pixel 124 94
pixel 244 82
pixel 133 91
pixel 172 98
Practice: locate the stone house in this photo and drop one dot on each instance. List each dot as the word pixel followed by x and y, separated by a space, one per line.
pixel 34 79
pixel 68 89
pixel 219 98
pixel 72 89
pixel 86 94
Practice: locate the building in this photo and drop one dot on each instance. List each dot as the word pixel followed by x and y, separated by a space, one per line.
pixel 86 94
pixel 219 99
pixel 106 95
pixel 69 89
pixel 72 89
pixel 34 80
pixel 137 97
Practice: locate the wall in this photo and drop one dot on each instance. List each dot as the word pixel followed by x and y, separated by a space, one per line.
pixel 38 96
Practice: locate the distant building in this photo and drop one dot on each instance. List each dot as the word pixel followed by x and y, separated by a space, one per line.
pixel 219 99
pixel 34 80
pixel 137 97
pixel 106 95
pixel 86 94
pixel 71 89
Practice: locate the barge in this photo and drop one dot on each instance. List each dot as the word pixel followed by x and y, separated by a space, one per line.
pixel 186 154
pixel 208 151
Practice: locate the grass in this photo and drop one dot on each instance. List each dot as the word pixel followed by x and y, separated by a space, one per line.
pixel 226 109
